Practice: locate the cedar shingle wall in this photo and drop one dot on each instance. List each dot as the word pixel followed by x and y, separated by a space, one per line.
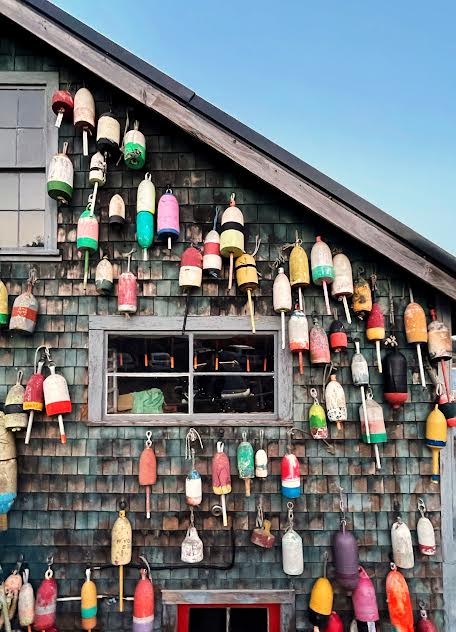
pixel 68 494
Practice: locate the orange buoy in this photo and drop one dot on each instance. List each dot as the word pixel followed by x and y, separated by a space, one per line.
pixel 88 603
pixel 416 331
pixel 398 599
pixel 148 469
pixel 143 603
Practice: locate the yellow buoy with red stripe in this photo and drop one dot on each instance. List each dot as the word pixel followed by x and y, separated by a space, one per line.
pixel 88 603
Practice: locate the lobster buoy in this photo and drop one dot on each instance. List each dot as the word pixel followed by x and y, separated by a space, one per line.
pixel 416 331
pixel 398 600
pixel 345 549
pixel 145 211
pixel 246 462
pixel 34 394
pixel 317 418
pixel 338 340
pixel 247 280
pixel 84 116
pixel 193 486
pixel 448 409
pixel 290 473
pixel 322 268
pixel 261 459
pixel 57 398
pixel 62 104
pixel 425 624
pixel 212 261
pixel 60 177
pixel 8 472
pixel 25 309
pixel 436 438
pixel 375 331
pixel 121 543
pixel 364 600
pixel 401 541
pixel 232 235
pixel 425 531
pixel 321 603
pixel 334 623
pixel 4 312
pixel 148 469
pixel 373 431
pixel 89 605
pixel 298 335
pixel 342 286
pixel 87 237
pixel 336 406
pixel 221 477
pixel 143 603
pixel 104 283
pixel 116 210
pixel 299 270
pixel 292 550
pixel 440 346
pixel 45 603
pixel 135 148
pixel 127 292
pixel 281 296
pixel 318 345
pixel 97 176
pixel 395 389
pixel 26 602
pixel 108 135
pixel 362 297
pixel 15 418
pixel 168 226
pixel 190 275
pixel 192 548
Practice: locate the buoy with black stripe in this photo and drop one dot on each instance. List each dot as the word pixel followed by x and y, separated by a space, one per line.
pixel 89 604
pixel 116 210
pixel 168 226
pixel 60 178
pixel 143 603
pixel 321 602
pixel 135 148
pixel 145 212
pixel 15 417
pixel 25 308
pixel 104 283
pixel 212 261
pixel 232 235
pixel 108 135
pixel 436 438
pixel 247 278
pixel 322 268
pixel 84 116
pixel 62 104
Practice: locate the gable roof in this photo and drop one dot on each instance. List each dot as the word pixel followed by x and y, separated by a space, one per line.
pixel 273 164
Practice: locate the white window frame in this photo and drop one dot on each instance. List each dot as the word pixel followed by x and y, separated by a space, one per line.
pixel 50 82
pixel 100 327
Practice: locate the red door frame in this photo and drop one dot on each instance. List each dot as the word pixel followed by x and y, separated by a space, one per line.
pixel 183 613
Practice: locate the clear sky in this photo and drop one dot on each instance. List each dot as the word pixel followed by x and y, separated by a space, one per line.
pixel 364 91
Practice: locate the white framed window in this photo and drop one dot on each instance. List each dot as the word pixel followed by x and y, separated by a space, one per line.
pixel 146 372
pixel 28 138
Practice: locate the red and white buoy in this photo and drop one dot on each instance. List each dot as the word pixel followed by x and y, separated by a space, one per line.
pixel 46 601
pixel 232 235
pixel 143 602
pixel 25 308
pixel 56 396
pixel 212 261
pixel 62 104
pixel 298 335
pixel 190 275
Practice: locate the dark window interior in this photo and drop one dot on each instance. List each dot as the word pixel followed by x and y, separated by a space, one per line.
pixel 240 619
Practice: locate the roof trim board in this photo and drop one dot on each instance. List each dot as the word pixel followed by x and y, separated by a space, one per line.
pixel 77 43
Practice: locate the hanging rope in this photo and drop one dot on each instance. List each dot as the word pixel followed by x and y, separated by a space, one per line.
pixel 217 212
pixel 191 436
pixel 257 245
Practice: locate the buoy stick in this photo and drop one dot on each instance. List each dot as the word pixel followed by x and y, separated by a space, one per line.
pixel 58 120
pixel 85 143
pixel 86 269
pixel 147 501
pixel 187 300
pixel 379 356
pixel 445 379
pixel 169 243
pixel 247 486
pixel 377 457
pixel 325 291
pixel 29 427
pixel 121 589
pixel 420 362
pixel 252 315
pixel 282 319
pixel 62 429
pixel 300 301
pixel 347 310
pixel 225 518
pixel 435 478
pixel 301 363
pixel 366 418
pixel 230 277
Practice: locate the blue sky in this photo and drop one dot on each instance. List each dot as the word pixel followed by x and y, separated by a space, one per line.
pixel 364 91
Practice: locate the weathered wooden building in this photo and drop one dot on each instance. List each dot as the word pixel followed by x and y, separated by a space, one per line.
pixel 68 494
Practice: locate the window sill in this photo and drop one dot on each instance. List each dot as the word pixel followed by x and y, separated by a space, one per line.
pixel 29 254
pixel 192 420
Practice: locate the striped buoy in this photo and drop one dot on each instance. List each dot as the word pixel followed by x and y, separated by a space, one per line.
pixel 15 418
pixel 57 398
pixel 89 605
pixel 145 211
pixel 322 268
pixel 8 472
pixel 212 261
pixel 232 235
pixel 116 210
pixel 25 308
pixel 104 276
pixel 60 177
pixel 135 148
pixel 143 604
pixel 108 135
pixel 62 104
pixel 46 602
pixel 4 312
pixel 34 395
pixel 87 236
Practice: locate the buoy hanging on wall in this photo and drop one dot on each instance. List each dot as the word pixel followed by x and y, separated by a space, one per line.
pixel 299 270
pixel 338 340
pixel 25 308
pixel 424 624
pixel 135 148
pixel 281 297
pixel 89 604
pixel 425 531
pixel 46 601
pixel 104 282
pixel 342 286
pixel 168 226
pixel 62 104
pixel 26 603
pixel 60 178
pixel 232 235
pixel 127 292
pixel 362 297
pixel 247 278
pixel 322 268
pixel 121 547
pixel 289 471
pixel 401 541
pixel 261 458
pixel 56 396
pixel 246 462
pixel 15 418
pixel 321 602
pixel 364 601
pixel 190 275
pixel 317 418
pixel 193 482
pixel 116 210
pixel 318 344
pixel 292 550
pixel 436 438
pixel 84 116
pixel 398 600
pixel 221 477
pixel 416 331
pixel 34 394
pixel 143 601
pixel 148 469
pixel 8 472
pixel 336 406
pixel 4 311
pixel 108 135
pixel 345 550
pixel 145 211
pixel 97 176
pixel 212 261
pixel 298 335
pixel 395 389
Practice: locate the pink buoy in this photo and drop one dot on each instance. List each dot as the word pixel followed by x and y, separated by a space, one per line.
pixel 168 217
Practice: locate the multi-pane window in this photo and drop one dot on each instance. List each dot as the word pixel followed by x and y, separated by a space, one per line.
pixel 27 139
pixel 216 371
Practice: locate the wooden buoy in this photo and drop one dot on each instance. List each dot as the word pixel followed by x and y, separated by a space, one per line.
pixel 364 600
pixel 97 176
pixel 212 261
pixel 338 340
pixel 376 425
pixel 62 104
pixel 148 469
pixel 375 331
pixel 261 535
pixel 168 226
pixel 436 438
pixel 46 602
pixel 322 268
pixel 192 549
pixel 289 471
pixel 135 148
pixel 221 477
pixel 143 601
pixel 318 344
pixel 25 308
pixel 26 603
pixel 104 276
pixel 190 275
pixel 362 297
pixel 425 624
pixel 246 462
pixel 34 394
pixel 232 235
pixel 4 311
pixel 87 237
pixel 247 278
pixel 84 116
pixel 12 586
pixel 127 291
pixel 345 553
pixel 261 459
pixel 89 604
pixel 425 531
pixel 299 270
pixel 321 602
pixel 416 331
pixel 395 389
pixel 317 418
pixel 193 482
pixel 440 346
pixel 342 286
pixel 60 178
pixel 292 549
pixel 336 406
pixel 108 135
pixel 398 600
pixel 116 210
pixel 15 418
pixel 281 296
pixel 56 396
pixel 298 335
pixel 121 547
pixel 145 211
pixel 401 541
pixel 8 472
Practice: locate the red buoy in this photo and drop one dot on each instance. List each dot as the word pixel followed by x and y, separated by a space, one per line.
pixel 143 604
pixel 334 623
pixel 425 624
pixel 46 603
pixel 62 105
pixel 337 336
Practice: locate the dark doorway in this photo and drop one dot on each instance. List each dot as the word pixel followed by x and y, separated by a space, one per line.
pixel 239 619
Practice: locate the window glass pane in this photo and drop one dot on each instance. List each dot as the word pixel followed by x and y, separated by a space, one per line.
pixel 141 354
pixel 9 188
pixel 234 353
pixel 213 619
pixel 31 108
pixel 30 148
pixel 32 191
pixel 148 395
pixel 31 228
pixel 8 232
pixel 8 147
pixel 8 108
pixel 248 619
pixel 233 394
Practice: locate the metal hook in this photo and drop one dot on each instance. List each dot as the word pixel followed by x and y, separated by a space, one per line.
pixel 148 439
pixel 314 395
pixel 147 565
pixel 192 517
pixel 421 507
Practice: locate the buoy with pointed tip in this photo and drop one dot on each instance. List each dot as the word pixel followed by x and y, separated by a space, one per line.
pixel 342 286
pixel 46 603
pixel 190 275
pixel 289 472
pixel 401 541
pixel 143 603
pixel 440 346
pixel 416 331
pixel 62 104
pixel 193 484
pixel 365 601
pixel 298 335
pixel 336 405
pixel 168 226
pixel 4 311
pixel 375 331
pixel 221 477
pixel 87 237
pixel 247 280
pixel 317 418
pixel 104 275
pixel 281 296
pixel 425 624
pixel 362 297
pixel 116 210
pixel 25 308
pixel 318 344
pixel 212 261
pixel 15 417
pixel 84 116
pixel 60 180
pixel 56 397
pixel 26 603
pixel 246 462
pixel 395 389
pixel 8 471
pixel 345 551
pixel 97 176
pixel 436 438
pixel 398 600
pixel 135 148
pixel 121 547
pixel 334 623
pixel 299 270
pixel 34 394
pixel 232 235
pixel 321 603
pixel 338 340
pixel 148 469
pixel 89 604
pixel 261 459
pixel 376 424
pixel 425 531
pixel 322 268
pixel 127 291
pixel 145 212
pixel 108 135
pixel 292 549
